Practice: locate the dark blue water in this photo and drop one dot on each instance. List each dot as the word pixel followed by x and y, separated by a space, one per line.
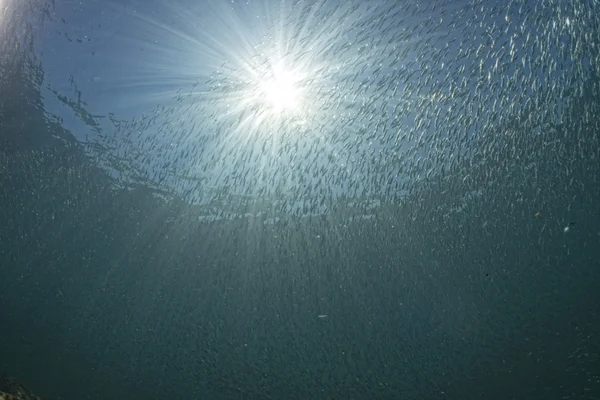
pixel 478 280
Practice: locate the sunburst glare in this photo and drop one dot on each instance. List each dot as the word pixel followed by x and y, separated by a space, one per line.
pixel 281 88
pixel 264 86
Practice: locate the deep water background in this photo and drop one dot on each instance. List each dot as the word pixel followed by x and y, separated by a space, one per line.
pixel 108 292
pixel 456 290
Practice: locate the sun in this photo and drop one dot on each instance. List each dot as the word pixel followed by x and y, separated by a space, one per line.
pixel 280 89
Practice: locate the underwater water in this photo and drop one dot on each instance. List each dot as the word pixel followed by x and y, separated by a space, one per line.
pixel 300 200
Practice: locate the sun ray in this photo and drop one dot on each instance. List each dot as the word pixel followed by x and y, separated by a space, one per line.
pixel 280 88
